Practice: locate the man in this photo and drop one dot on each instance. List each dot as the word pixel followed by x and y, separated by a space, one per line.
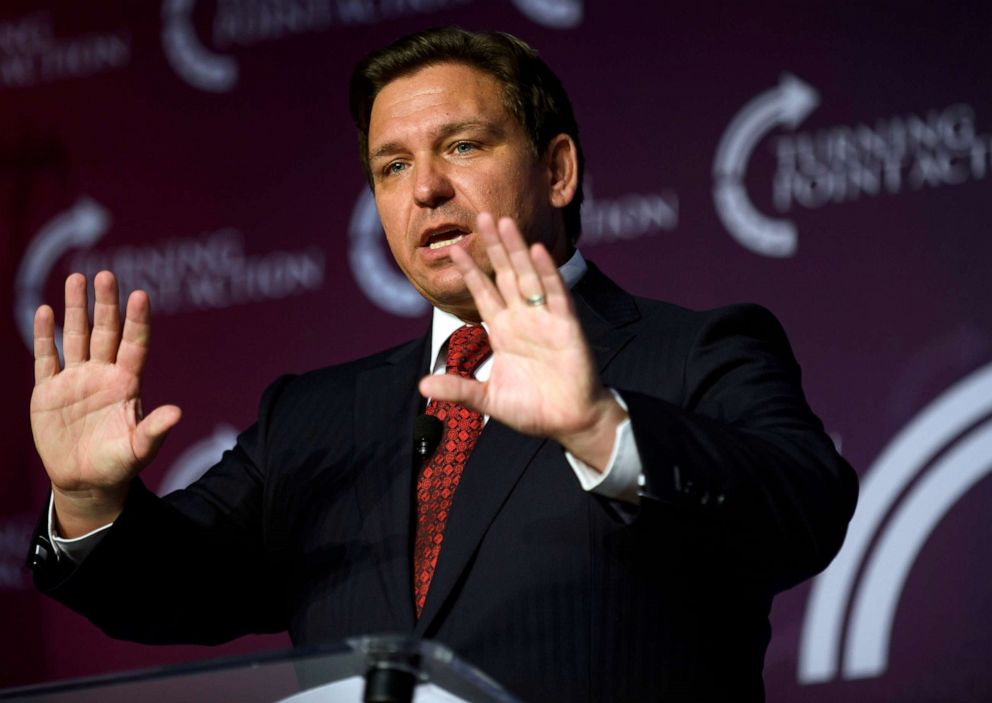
pixel 646 480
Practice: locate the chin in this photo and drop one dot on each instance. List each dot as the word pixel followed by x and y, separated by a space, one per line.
pixel 443 285
pixel 450 299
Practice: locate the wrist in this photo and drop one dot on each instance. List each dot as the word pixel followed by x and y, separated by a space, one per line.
pixel 80 512
pixel 592 442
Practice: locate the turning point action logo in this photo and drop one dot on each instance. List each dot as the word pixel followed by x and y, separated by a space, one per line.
pixel 250 22
pixel 837 164
pixel 32 53
pixel 209 271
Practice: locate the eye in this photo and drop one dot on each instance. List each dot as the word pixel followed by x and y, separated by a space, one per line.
pixel 394 167
pixel 463 147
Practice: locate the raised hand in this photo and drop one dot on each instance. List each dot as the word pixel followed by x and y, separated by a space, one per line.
pixel 544 381
pixel 87 418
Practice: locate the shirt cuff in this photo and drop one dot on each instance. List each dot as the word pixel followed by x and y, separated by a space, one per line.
pixel 77 548
pixel 621 478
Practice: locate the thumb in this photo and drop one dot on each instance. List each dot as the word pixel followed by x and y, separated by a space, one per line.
pixel 465 391
pixel 152 431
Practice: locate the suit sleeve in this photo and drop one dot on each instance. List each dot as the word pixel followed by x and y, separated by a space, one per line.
pixel 742 459
pixel 192 567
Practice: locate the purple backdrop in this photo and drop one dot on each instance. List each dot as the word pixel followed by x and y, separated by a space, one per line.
pixel 831 162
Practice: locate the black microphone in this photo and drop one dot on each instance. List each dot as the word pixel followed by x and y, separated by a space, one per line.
pixel 427 431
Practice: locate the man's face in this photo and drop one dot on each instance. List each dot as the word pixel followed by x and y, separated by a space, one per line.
pixel 443 148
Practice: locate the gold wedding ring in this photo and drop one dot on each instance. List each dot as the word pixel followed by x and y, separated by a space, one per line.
pixel 535 300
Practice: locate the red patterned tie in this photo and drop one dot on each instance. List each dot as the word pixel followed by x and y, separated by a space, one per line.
pixel 467 348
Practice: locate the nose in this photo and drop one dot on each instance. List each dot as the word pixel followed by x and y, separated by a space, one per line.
pixel 431 186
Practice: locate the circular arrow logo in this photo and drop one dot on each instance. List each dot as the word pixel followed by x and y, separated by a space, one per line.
pixel 376 277
pixel 197 66
pixel 79 227
pixel 785 105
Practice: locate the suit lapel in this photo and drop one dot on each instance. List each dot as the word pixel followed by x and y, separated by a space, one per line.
pixel 386 403
pixel 502 454
pixel 605 310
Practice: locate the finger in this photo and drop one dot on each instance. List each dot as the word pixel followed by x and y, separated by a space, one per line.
pixel 454 388
pixel 528 282
pixel 46 356
pixel 76 330
pixel 106 334
pixel 152 431
pixel 487 299
pixel 133 349
pixel 506 280
pixel 557 297
pixel 487 229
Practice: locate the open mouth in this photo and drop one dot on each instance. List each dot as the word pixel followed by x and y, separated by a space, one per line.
pixel 447 241
pixel 445 237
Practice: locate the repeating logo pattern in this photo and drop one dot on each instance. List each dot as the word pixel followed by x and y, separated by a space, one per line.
pixel 924 146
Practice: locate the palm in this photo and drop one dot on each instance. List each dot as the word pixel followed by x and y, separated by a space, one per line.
pixel 84 423
pixel 542 375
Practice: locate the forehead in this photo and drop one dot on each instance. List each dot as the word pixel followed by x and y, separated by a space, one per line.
pixel 432 97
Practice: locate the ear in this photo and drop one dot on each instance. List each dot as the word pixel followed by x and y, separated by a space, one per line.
pixel 562 160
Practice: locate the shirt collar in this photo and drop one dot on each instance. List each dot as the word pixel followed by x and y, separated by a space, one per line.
pixel 444 323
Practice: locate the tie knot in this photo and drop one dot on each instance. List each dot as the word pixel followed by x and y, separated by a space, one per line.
pixel 468 346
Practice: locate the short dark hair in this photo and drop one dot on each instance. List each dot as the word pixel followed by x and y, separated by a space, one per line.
pixel 531 90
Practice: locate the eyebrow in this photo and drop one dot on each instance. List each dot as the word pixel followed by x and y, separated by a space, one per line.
pixel 446 130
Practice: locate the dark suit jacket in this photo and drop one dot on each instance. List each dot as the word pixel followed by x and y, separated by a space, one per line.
pixel 306 523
